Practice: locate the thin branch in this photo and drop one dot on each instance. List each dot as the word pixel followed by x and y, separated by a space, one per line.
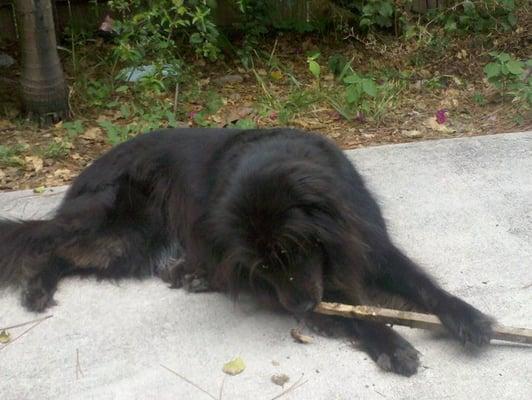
pixel 414 320
pixel 25 323
pixel 222 388
pixel 36 323
pixel 189 382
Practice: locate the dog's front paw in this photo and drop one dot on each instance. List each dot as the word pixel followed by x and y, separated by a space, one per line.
pixel 403 360
pixel 195 283
pixel 172 272
pixel 37 298
pixel 470 326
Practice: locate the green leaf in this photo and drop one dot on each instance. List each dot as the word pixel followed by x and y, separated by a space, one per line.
pixel 314 68
pixel 122 89
pixel 353 78
pixel 386 9
pixel 512 19
pixel 504 69
pixel 365 22
pixel 353 94
pixel 196 38
pixel 515 67
pixel 369 87
pixel 503 57
pixel 245 123
pixel 492 70
pixel 450 26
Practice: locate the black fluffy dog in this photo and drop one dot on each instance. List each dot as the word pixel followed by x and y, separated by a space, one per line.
pixel 279 212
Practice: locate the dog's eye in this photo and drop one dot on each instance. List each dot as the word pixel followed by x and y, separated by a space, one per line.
pixel 264 266
pixel 290 278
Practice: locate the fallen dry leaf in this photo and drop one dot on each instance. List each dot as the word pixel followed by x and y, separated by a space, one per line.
pixel 63 173
pixel 280 379
pixel 5 337
pixel 414 133
pixel 35 163
pixel 299 337
pixel 433 124
pixel 92 134
pixel 234 367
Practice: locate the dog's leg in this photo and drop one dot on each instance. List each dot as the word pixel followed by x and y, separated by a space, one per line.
pixel 38 291
pixel 396 273
pixel 387 348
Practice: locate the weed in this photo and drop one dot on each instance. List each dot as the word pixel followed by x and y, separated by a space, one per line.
pixel 10 155
pixel 509 76
pixel 56 150
pixel 73 128
pixel 479 99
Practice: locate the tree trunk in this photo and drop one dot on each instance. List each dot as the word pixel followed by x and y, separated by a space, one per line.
pixel 44 91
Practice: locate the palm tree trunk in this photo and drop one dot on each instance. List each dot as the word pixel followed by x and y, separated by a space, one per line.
pixel 44 91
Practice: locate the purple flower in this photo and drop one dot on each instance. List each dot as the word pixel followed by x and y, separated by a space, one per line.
pixel 441 117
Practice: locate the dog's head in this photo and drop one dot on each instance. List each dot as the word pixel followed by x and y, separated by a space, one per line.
pixel 279 229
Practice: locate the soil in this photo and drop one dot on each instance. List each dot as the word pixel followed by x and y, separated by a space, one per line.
pixel 419 111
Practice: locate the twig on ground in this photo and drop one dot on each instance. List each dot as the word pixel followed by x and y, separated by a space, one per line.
pixel 222 388
pixel 35 324
pixel 79 371
pixel 414 320
pixel 25 323
pixel 189 382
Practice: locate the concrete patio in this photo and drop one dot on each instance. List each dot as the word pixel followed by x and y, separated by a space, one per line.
pixel 461 207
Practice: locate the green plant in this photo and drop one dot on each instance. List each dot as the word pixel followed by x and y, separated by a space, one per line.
pixel 509 76
pixel 115 133
pixel 479 98
pixel 313 66
pixel 153 30
pixel 10 155
pixel 377 13
pixel 56 150
pixel 212 105
pixel 476 16
pixel 73 128
pixel 359 88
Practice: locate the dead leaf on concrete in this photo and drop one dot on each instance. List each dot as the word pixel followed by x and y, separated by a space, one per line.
pixel 5 337
pixel 234 367
pixel 280 379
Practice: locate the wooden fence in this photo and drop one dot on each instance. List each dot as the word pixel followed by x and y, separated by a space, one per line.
pixel 86 14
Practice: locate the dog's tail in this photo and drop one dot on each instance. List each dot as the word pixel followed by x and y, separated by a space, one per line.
pixel 23 246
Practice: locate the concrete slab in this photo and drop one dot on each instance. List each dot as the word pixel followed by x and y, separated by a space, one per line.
pixel 462 208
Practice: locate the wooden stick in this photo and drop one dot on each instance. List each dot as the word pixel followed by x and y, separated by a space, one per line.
pixel 414 320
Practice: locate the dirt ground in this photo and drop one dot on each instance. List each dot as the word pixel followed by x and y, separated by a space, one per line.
pixel 418 110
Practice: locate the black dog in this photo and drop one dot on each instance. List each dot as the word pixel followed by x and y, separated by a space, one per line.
pixel 279 212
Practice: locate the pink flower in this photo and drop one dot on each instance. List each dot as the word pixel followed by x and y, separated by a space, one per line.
pixel 273 116
pixel 192 114
pixel 441 117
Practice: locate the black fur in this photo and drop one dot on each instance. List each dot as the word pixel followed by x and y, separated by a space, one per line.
pixel 279 212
